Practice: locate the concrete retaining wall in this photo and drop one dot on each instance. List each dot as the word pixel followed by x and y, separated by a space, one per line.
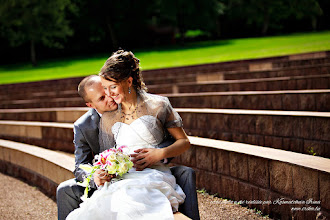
pixel 290 100
pixel 43 114
pixel 51 135
pixel 40 167
pixel 263 84
pixel 260 175
pixel 307 60
pixel 303 132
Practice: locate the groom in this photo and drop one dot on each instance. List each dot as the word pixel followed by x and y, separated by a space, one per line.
pixel 87 146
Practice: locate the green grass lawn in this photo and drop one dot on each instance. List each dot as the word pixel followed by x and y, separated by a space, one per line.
pixel 190 54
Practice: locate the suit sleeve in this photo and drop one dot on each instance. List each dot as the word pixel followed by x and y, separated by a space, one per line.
pixel 83 155
pixel 167 142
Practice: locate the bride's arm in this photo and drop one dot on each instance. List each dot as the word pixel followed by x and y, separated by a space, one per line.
pixel 179 146
pixel 148 156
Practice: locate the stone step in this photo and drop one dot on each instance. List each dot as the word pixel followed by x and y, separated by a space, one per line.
pixel 240 172
pixel 271 63
pixel 24 95
pixel 40 167
pixel 203 71
pixel 286 100
pixel 297 71
pixel 239 75
pixel 295 61
pixel 293 100
pixel 262 84
pixel 42 103
pixel 297 131
pixel 68 115
pixel 261 176
pixel 42 86
pixel 265 84
pixel 50 135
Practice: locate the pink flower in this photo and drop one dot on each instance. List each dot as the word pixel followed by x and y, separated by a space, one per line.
pixel 97 163
pixel 103 159
pixel 121 148
pixel 108 163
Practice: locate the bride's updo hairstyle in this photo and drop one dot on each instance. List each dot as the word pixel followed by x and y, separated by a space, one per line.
pixel 120 66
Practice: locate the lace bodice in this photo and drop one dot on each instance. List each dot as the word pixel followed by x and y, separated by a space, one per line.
pixel 155 114
pixel 138 134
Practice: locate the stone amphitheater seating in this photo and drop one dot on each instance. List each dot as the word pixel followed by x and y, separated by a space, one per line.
pixel 289 100
pixel 236 75
pixel 263 64
pixel 296 100
pixel 232 70
pixel 240 172
pixel 251 173
pixel 42 103
pixel 292 71
pixel 21 98
pixel 260 154
pixel 297 131
pixel 302 61
pixel 51 135
pixel 40 167
pixel 63 114
pixel 260 84
pixel 24 95
pixel 293 131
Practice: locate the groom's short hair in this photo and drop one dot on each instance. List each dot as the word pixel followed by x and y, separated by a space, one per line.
pixel 84 84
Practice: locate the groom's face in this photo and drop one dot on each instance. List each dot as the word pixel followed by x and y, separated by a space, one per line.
pixel 98 99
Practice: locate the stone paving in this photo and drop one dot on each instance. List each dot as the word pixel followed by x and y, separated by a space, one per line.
pixel 22 201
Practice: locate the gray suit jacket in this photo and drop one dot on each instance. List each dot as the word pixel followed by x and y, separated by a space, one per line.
pixel 86 142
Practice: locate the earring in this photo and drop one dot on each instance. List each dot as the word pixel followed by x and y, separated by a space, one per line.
pixel 129 90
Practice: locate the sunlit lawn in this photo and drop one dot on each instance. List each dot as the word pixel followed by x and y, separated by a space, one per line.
pixel 190 54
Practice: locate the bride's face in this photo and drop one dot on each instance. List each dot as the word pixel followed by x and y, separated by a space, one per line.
pixel 116 90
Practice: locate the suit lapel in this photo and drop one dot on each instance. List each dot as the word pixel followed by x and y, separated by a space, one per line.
pixel 96 120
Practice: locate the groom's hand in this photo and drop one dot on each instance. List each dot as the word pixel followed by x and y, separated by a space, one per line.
pixel 146 157
pixel 101 177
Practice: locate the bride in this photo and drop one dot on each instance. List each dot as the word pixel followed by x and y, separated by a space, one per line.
pixel 142 122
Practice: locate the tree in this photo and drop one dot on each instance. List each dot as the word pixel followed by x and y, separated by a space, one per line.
pixel 36 21
pixel 306 9
pixel 273 14
pixel 191 15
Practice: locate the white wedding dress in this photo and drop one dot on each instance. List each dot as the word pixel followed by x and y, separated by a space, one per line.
pixel 148 194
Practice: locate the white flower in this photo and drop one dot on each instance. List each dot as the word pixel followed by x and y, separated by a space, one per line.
pixel 112 169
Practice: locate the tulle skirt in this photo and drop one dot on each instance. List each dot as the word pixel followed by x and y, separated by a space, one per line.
pixel 147 194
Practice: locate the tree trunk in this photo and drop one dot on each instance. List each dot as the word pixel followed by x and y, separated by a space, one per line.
pixel 182 38
pixel 33 53
pixel 265 23
pixel 314 23
pixel 218 28
pixel 108 5
pixel 181 27
pixel 112 33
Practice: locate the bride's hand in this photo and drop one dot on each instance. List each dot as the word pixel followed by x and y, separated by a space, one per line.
pixel 101 177
pixel 146 157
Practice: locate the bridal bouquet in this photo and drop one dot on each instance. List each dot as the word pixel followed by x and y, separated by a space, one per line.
pixel 113 161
